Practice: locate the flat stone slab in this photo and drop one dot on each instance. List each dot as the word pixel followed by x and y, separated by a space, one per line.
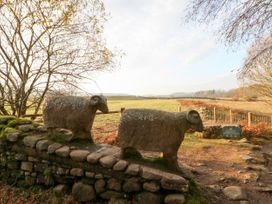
pixel 174 199
pixel 79 155
pixel 30 141
pixel 114 184
pixel 120 165
pixel 77 172
pixel 83 192
pixel 110 194
pixel 257 167
pixel 266 188
pixel 89 174
pixel 60 190
pixel 27 166
pixel 63 151
pixel 26 128
pixel 174 182
pixel 12 136
pixel 108 161
pixel 53 147
pixel 100 186
pixel 151 186
pixel 132 185
pixel 235 193
pixel 147 197
pixel 133 169
pixel 109 150
pixel 94 157
pixel 42 145
pixel 151 173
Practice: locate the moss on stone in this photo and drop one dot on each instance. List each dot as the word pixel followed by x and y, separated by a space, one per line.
pixel 59 138
pixel 4 119
pixel 10 130
pixel 2 127
pixel 195 194
pixel 5 130
pixel 18 121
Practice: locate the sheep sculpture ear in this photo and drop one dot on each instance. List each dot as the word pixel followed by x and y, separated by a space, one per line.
pixel 95 100
pixel 192 116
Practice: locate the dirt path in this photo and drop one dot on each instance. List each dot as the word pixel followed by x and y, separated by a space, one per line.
pixel 236 164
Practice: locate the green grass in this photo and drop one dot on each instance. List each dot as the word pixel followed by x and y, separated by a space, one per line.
pixel 195 194
pixel 170 105
pixel 191 141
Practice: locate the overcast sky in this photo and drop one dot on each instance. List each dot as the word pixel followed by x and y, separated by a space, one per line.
pixel 163 54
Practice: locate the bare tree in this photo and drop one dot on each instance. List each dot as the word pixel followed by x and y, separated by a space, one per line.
pixel 47 45
pixel 239 20
pixel 257 69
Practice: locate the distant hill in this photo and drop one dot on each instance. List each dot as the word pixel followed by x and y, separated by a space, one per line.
pixel 244 93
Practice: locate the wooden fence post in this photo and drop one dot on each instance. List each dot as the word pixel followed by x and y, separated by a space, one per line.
pixel 122 110
pixel 249 118
pixel 179 108
pixel 230 116
pixel 214 114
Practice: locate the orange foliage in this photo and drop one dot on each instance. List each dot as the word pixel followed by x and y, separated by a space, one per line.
pixel 254 131
pixel 110 139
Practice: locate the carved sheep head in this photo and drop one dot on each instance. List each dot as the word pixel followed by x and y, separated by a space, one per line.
pixel 194 120
pixel 100 102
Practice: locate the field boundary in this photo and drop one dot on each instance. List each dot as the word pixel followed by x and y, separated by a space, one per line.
pixel 221 115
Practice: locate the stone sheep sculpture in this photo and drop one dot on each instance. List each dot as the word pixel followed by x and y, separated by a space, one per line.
pixel 154 130
pixel 74 113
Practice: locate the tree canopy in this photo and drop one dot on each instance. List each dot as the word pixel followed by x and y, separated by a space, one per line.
pixel 48 45
pixel 239 20
pixel 257 69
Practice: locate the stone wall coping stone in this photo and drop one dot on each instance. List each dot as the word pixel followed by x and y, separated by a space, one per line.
pixel 133 169
pixel 42 145
pixel 121 165
pixel 94 157
pixel 53 147
pixel 30 141
pixel 174 182
pixel 151 173
pixel 79 155
pixel 108 161
pixel 63 151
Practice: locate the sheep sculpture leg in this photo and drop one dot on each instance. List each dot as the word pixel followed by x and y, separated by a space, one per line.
pixel 171 160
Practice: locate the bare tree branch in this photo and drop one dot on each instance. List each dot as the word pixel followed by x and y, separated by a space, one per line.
pixel 48 44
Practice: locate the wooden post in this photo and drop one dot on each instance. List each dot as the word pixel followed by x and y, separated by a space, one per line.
pixel 230 116
pixel 214 114
pixel 249 119
pixel 179 109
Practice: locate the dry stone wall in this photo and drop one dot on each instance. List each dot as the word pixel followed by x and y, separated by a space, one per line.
pixel 88 172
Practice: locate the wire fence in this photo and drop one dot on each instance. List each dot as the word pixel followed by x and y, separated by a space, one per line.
pixel 224 115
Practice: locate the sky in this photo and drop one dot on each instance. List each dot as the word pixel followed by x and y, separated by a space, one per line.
pixel 162 53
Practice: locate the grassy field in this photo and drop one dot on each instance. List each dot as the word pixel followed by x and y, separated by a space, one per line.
pixel 172 106
pixel 254 106
pixel 110 119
